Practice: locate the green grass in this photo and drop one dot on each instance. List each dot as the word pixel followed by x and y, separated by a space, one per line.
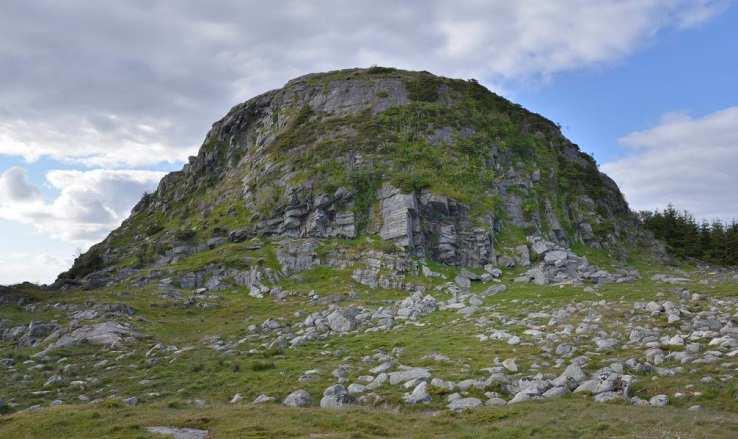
pixel 566 418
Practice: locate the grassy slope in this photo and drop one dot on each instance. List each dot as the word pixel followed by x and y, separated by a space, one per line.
pixel 167 388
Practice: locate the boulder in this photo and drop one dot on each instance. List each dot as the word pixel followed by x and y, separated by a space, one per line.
pixel 462 404
pixel 659 401
pixel 419 395
pixel 179 433
pixel 335 397
pixel 107 334
pixel 263 398
pixel 340 321
pixel 408 374
pixel 298 398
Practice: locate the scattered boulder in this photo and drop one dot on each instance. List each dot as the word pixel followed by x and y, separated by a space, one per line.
pixel 461 404
pixel 179 433
pixel 408 374
pixel 298 398
pixel 335 397
pixel 108 334
pixel 419 394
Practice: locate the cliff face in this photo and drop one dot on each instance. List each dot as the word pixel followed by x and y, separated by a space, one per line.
pixel 441 168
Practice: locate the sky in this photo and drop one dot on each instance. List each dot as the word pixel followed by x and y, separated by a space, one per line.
pixel 98 100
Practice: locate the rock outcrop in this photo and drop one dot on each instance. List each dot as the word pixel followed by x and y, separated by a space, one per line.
pixel 441 168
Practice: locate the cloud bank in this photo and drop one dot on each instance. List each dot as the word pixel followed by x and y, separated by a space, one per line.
pixel 89 204
pixel 130 84
pixel 690 162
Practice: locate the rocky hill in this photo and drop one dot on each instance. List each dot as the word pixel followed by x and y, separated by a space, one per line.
pixel 437 168
pixel 375 253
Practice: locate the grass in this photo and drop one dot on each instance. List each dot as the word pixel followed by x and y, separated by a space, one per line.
pixel 565 418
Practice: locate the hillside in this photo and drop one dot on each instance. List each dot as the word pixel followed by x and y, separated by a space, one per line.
pixel 444 169
pixel 375 253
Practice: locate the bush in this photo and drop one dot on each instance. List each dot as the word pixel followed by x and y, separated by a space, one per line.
pixel 184 234
pixel 85 264
pixel 258 366
pixel 424 89
pixel 378 70
pixel 364 185
pixel 153 229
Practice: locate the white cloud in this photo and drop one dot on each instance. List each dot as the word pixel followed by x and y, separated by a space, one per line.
pixel 98 140
pixel 126 84
pixel 89 204
pixel 39 268
pixel 14 186
pixel 687 161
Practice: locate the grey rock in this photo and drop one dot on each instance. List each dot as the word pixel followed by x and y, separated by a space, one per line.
pixel 419 395
pixel 378 381
pixel 555 392
pixel 399 216
pixel 493 271
pixel 510 365
pixel 463 282
pixel 108 334
pixel 461 404
pixel 607 396
pixel 522 256
pixel 408 374
pixel 520 397
pixel 355 389
pixel 659 401
pixel 179 433
pixel 263 398
pixel 443 384
pixel 383 367
pixel 298 398
pixel 555 257
pixel 340 321
pixel 335 397
pixel 495 289
pixel 495 402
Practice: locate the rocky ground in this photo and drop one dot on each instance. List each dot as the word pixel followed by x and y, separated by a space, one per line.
pixel 373 343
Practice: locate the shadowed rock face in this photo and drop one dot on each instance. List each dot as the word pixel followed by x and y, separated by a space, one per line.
pixel 442 168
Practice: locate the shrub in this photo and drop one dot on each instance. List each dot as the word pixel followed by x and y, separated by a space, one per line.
pixel 184 234
pixel 153 229
pixel 258 366
pixel 378 70
pixel 85 264
pixel 424 89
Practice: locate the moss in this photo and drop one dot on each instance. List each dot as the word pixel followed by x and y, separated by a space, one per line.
pixel 364 185
pixel 297 132
pixel 185 234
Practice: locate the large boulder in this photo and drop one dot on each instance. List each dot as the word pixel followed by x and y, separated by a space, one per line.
pixel 108 334
pixel 336 397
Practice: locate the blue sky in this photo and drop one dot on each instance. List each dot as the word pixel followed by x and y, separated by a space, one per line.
pixel 691 71
pixel 98 101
